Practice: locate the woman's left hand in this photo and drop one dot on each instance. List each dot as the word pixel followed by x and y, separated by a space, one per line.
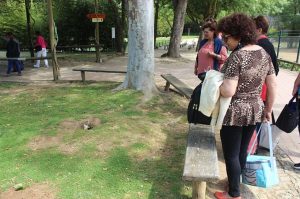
pixel 267 116
pixel 212 54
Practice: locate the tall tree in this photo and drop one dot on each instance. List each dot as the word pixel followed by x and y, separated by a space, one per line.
pixel 140 70
pixel 29 29
pixel 118 15
pixel 53 42
pixel 156 3
pixel 122 27
pixel 177 29
pixel 97 34
pixel 199 11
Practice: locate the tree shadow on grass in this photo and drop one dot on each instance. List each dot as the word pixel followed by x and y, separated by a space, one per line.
pixel 166 175
pixel 167 165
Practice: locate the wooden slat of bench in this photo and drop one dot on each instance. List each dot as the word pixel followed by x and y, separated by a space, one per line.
pixel 98 70
pixel 25 58
pixel 201 160
pixel 179 85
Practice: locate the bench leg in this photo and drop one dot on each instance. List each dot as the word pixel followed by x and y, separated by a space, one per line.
pixel 83 76
pixel 199 190
pixel 167 86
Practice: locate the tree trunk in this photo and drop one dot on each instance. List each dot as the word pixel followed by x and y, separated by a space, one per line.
pixel 97 39
pixel 120 24
pixel 140 70
pixel 156 20
pixel 27 6
pixel 123 23
pixel 177 30
pixel 212 8
pixel 52 42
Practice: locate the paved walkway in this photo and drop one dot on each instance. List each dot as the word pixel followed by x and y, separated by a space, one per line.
pixel 289 146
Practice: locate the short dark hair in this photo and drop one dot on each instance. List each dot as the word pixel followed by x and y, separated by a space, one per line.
pixel 37 32
pixel 239 26
pixel 211 24
pixel 262 22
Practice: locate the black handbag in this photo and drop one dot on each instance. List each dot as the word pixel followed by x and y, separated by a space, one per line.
pixel 193 113
pixel 38 48
pixel 289 117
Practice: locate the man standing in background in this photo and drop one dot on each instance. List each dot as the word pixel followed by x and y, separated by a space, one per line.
pixel 40 47
pixel 13 52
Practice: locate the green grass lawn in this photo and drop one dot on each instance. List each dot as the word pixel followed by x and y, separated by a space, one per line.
pixel 136 149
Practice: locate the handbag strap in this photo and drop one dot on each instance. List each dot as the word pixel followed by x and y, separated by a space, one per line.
pixel 270 143
pixel 271 147
pixel 273 118
pixel 270 139
pixel 249 153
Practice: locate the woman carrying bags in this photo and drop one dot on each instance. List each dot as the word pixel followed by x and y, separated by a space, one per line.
pixel 245 71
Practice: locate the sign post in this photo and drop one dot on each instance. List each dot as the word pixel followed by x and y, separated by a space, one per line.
pixel 113 36
pixel 96 18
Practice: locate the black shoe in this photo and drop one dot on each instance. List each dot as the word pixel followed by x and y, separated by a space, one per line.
pixel 297 166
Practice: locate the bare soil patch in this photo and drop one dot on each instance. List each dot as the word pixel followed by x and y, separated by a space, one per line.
pixel 36 191
pixel 66 127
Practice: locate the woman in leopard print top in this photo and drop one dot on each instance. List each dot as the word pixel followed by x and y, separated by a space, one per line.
pixel 245 71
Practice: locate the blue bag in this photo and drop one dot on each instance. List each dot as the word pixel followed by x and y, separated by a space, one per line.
pixel 261 171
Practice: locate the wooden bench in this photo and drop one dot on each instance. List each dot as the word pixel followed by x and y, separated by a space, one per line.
pixel 183 89
pixel 201 160
pixel 294 64
pixel 83 70
pixel 25 58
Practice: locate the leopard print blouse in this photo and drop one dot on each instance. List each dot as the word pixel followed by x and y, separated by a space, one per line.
pixel 250 68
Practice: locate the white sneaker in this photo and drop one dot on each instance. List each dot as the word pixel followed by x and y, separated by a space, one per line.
pixel 35 66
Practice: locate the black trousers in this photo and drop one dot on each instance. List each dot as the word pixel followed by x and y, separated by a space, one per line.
pixel 235 141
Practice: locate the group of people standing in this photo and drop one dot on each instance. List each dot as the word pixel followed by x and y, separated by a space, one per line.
pixel 249 79
pixel 13 52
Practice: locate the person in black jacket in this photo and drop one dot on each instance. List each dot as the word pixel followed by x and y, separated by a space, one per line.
pixel 12 51
pixel 296 91
pixel 262 27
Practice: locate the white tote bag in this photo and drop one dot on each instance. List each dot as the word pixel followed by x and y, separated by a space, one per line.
pixel 259 170
pixel 264 136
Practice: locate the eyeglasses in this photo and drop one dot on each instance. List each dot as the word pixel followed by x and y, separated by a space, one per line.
pixel 225 38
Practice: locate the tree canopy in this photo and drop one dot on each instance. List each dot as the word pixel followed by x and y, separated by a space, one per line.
pixel 74 28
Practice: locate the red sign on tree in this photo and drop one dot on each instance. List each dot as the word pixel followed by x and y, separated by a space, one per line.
pixel 96 15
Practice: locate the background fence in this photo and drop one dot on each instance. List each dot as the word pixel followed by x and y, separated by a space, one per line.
pixel 287 44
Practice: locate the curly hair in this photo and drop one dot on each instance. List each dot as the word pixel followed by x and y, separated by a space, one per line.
pixel 262 22
pixel 239 26
pixel 211 24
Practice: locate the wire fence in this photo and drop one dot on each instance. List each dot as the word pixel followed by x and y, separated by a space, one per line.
pixel 287 44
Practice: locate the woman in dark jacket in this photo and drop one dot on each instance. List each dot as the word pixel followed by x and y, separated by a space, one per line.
pixel 262 27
